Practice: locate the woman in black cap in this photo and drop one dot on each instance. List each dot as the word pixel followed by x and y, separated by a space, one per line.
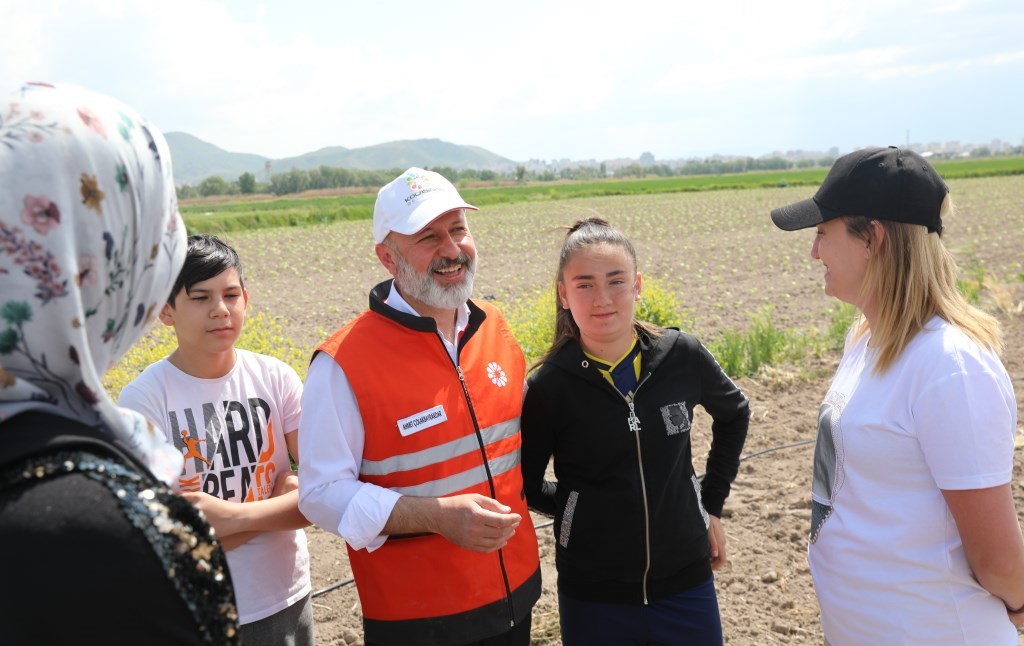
pixel 914 535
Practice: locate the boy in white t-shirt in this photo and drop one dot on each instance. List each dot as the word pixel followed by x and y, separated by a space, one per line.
pixel 235 416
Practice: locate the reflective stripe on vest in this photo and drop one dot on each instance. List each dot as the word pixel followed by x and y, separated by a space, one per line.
pixel 464 480
pixel 439 453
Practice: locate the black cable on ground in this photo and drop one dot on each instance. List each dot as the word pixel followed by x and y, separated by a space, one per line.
pixel 334 586
pixel 776 448
pixel 548 523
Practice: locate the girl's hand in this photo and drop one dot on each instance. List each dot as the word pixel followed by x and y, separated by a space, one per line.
pixel 716 535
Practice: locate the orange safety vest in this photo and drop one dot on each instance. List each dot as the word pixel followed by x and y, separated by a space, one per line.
pixel 434 429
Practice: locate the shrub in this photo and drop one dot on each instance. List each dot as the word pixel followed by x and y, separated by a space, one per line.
pixel 842 317
pixel 532 318
pixel 765 342
pixel 156 345
pixel 972 282
pixel 744 354
pixel 261 334
pixel 659 306
pixel 730 351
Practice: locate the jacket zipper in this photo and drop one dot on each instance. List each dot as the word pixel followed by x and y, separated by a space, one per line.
pixel 490 482
pixel 634 427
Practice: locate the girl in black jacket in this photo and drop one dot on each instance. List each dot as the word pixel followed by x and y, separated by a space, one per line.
pixel 637 535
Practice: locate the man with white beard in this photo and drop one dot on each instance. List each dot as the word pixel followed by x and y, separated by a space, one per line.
pixel 410 438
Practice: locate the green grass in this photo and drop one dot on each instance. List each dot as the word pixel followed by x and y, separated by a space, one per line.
pixel 243 215
pixel 842 316
pixel 763 344
pixel 244 207
pixel 980 167
pixel 972 281
pixel 264 214
pixel 255 214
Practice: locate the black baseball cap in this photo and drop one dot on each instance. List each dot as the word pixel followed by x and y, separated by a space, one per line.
pixel 882 183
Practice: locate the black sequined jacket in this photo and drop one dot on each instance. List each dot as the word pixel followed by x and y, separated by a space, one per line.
pixel 97 550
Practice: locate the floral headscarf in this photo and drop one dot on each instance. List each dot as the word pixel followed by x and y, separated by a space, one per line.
pixel 90 244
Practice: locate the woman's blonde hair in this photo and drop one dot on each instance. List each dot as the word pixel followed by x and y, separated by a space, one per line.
pixel 912 277
pixel 585 233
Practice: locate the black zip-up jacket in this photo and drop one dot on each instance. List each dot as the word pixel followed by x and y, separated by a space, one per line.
pixel 630 515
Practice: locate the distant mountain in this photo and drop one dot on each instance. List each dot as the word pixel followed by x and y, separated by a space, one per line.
pixel 401 155
pixel 195 159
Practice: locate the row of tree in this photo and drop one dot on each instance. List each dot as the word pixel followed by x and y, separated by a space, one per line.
pixel 326 177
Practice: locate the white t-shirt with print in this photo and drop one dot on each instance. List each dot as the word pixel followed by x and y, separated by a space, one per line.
pixel 234 448
pixel 887 560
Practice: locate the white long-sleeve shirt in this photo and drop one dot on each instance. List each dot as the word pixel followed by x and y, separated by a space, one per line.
pixel 331 437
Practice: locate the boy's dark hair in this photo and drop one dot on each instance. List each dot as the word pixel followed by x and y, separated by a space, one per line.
pixel 207 257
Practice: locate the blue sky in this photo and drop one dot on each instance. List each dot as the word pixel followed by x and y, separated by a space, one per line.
pixel 540 79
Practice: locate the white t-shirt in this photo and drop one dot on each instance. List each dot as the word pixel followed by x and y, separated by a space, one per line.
pixel 234 449
pixel 887 560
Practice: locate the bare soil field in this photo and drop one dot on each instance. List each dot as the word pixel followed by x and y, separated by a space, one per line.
pixel 719 252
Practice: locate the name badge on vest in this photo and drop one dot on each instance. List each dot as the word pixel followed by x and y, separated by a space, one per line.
pixel 422 420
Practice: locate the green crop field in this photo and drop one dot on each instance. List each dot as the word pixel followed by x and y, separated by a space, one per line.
pixel 730 274
pixel 716 251
pixel 247 214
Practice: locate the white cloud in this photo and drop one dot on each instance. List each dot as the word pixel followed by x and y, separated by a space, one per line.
pixel 957 65
pixel 541 79
pixel 772 70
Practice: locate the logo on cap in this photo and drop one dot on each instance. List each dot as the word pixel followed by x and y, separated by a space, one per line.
pixel 421 184
pixel 416 181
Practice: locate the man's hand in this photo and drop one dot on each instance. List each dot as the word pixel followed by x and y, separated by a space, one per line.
pixel 476 522
pixel 471 520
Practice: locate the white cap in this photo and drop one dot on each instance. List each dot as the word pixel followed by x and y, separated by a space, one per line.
pixel 411 201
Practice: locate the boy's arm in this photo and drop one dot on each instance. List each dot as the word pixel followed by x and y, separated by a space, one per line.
pixel 280 512
pixel 237 523
pixel 235 540
pixel 285 483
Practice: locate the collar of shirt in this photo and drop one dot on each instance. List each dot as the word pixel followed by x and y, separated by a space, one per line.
pixel 396 301
pixel 624 372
